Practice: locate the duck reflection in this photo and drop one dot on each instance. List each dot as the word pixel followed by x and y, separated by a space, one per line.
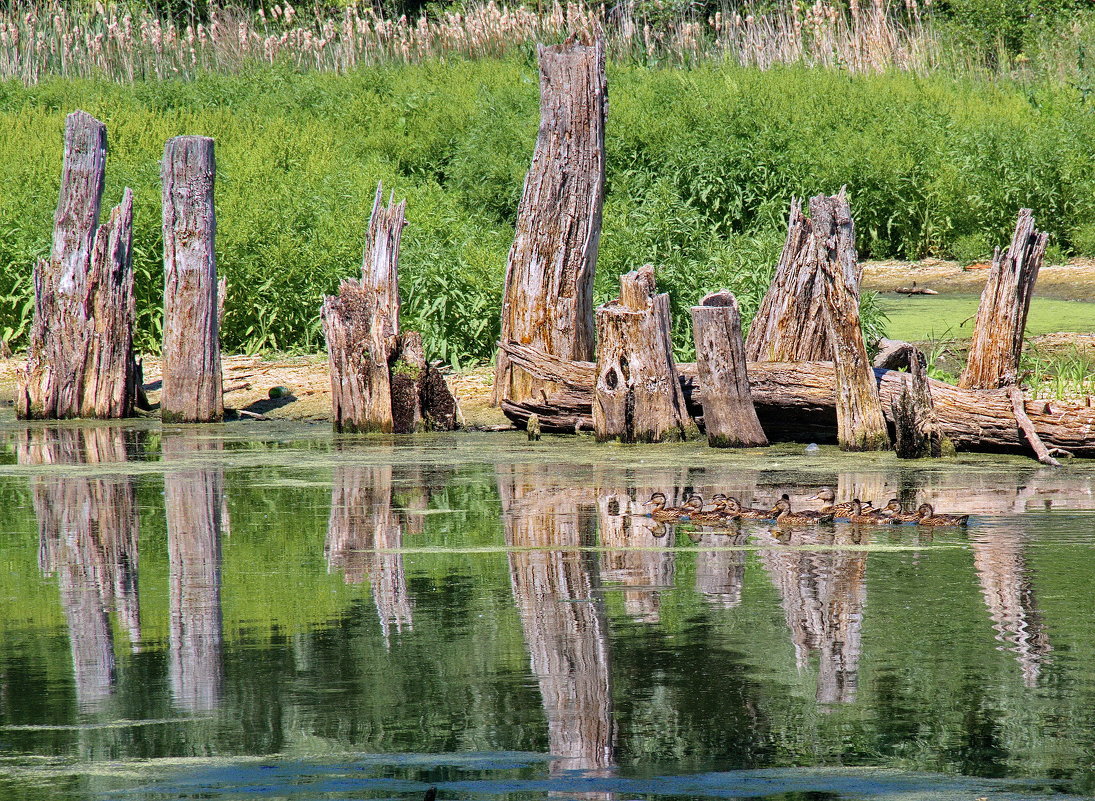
pixel 556 588
pixel 87 535
pixel 1005 580
pixel 823 594
pixel 643 573
pixel 362 526
pixel 193 500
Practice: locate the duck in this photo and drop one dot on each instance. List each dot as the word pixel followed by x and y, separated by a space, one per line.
pixel 783 514
pixel 736 510
pixel 859 514
pixel 895 514
pixel 826 496
pixel 671 514
pixel 928 517
pixel 713 514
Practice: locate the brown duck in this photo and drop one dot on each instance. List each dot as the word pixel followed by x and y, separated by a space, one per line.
pixel 826 496
pixel 928 517
pixel 784 516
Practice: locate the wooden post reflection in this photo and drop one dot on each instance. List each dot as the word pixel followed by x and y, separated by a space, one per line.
pixel 1006 586
pixel 363 525
pixel 823 594
pixel 644 573
pixel 193 499
pixel 87 536
pixel 720 574
pixel 562 614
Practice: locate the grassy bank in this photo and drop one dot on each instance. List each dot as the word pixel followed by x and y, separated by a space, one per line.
pixel 702 163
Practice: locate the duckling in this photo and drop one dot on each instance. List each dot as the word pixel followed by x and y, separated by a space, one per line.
pixel 861 515
pixel 928 517
pixel 735 509
pixel 657 509
pixel 784 515
pixel 826 496
pixel 712 514
pixel 895 514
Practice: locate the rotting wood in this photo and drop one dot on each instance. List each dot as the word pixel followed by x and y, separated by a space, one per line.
pixel 1018 406
pixel 192 380
pixel 796 401
pixel 861 425
pixel 380 379
pixel 893 354
pixel 729 419
pixel 916 434
pixel 790 324
pixel 80 357
pixel 637 397
pixel 548 297
pixel 997 341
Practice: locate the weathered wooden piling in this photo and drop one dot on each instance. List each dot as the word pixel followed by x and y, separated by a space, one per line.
pixel 729 418
pixel 192 383
pixel 637 396
pixel 916 431
pixel 80 358
pixel 380 380
pixel 861 425
pixel 997 342
pixel 548 296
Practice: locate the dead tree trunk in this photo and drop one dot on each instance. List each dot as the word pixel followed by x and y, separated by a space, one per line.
pixel 380 380
pixel 859 420
pixel 548 297
pixel 916 433
pixel 729 418
pixel 1002 314
pixel 637 397
pixel 192 382
pixel 790 324
pixel 80 361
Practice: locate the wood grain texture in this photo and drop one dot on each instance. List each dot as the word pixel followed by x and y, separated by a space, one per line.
pixel 730 421
pixel 192 382
pixel 548 295
pixel 916 431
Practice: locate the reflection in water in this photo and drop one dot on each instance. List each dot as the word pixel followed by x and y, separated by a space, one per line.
pixel 720 574
pixel 87 533
pixel 1006 586
pixel 644 573
pixel 823 594
pixel 361 526
pixel 562 615
pixel 193 499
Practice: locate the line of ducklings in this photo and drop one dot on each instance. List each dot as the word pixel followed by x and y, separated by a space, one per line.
pixel 724 510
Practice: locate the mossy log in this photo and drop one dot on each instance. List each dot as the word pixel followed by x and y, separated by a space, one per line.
pixel 796 401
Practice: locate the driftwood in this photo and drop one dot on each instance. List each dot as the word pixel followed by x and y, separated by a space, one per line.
pixel 192 382
pixel 790 324
pixel 859 421
pixel 916 434
pixel 1002 314
pixel 80 359
pixel 1041 452
pixel 728 415
pixel 637 396
pixel 548 296
pixel 796 401
pixel 380 379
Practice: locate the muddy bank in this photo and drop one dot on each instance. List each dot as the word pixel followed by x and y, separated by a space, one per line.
pixel 1072 281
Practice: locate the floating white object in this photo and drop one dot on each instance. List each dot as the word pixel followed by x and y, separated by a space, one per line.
pixel 812 448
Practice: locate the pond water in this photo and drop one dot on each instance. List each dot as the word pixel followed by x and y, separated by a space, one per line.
pixel 254 611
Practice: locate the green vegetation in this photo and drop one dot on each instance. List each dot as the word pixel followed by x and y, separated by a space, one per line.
pixel 702 164
pixel 919 318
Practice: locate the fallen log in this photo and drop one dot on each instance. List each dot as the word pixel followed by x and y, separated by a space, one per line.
pixel 796 401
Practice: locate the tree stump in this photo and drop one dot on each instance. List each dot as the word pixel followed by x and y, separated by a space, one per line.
pixel 548 296
pixel 637 396
pixel 790 324
pixel 729 418
pixel 916 433
pixel 861 425
pixel 80 359
pixel 192 382
pixel 380 379
pixel 997 343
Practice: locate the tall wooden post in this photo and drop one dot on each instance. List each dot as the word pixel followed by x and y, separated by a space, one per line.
pixel 1002 314
pixel 80 360
pixel 728 414
pixel 860 423
pixel 192 383
pixel 548 297
pixel 638 395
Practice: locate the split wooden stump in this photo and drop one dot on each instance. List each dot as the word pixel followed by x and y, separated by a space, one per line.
pixel 80 358
pixel 192 383
pixel 916 430
pixel 637 395
pixel 729 418
pixel 380 380
pixel 548 298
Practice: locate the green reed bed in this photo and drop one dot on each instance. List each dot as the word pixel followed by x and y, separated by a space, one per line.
pixel 702 163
